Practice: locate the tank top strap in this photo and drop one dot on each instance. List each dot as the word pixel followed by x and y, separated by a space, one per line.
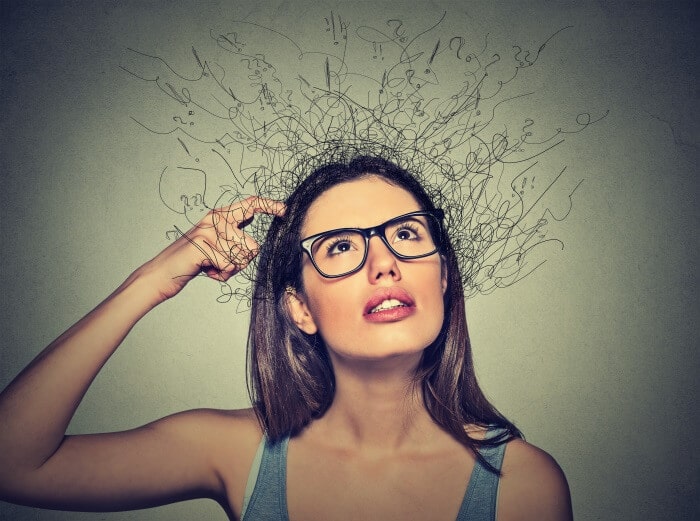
pixel 479 502
pixel 268 501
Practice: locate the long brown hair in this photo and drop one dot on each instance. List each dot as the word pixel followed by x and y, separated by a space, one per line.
pixel 290 376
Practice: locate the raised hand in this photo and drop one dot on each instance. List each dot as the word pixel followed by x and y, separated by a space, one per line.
pixel 216 246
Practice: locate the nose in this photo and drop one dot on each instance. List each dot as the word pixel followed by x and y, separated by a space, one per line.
pixel 381 262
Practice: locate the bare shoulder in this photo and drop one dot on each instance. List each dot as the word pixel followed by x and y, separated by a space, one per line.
pixel 230 439
pixel 241 423
pixel 228 435
pixel 211 426
pixel 532 486
pixel 226 439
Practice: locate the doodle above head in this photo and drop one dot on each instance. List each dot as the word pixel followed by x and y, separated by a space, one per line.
pixel 437 103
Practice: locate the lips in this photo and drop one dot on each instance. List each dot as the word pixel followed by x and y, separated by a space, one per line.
pixel 392 301
pixel 387 304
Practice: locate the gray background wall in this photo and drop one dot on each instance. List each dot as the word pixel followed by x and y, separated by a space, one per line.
pixel 594 356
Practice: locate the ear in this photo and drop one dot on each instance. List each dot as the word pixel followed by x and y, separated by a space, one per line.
pixel 299 311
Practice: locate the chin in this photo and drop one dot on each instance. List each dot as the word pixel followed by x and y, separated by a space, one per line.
pixel 394 347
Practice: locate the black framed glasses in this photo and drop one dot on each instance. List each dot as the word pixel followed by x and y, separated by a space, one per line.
pixel 343 251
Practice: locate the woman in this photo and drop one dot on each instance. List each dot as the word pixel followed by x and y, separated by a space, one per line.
pixel 365 401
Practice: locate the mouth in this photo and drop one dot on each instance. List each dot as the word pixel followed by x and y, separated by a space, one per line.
pixel 390 303
pixel 387 300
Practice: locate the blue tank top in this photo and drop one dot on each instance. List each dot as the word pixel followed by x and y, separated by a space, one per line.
pixel 268 499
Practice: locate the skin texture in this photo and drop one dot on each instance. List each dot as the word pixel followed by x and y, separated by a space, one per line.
pixel 375 454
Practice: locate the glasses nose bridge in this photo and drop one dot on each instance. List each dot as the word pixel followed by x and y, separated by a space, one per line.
pixel 377 231
pixel 373 231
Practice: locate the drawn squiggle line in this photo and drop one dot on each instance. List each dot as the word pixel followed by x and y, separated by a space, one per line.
pixel 445 137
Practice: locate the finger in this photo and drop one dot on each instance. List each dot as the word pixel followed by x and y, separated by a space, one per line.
pixel 227 221
pixel 223 259
pixel 241 213
pixel 240 248
pixel 221 265
pixel 257 204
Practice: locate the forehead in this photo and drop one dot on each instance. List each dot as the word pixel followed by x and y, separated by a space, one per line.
pixel 357 204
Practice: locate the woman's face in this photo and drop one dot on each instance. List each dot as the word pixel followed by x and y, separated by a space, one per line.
pixel 389 307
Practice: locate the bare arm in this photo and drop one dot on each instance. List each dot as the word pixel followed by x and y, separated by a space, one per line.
pixel 161 462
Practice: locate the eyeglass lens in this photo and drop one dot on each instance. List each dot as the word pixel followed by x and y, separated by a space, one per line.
pixel 344 250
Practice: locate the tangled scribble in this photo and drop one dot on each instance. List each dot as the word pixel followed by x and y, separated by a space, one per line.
pixel 435 103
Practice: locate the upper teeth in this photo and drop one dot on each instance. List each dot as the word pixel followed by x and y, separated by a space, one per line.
pixel 387 304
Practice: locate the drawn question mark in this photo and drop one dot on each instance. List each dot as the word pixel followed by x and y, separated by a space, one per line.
pixel 199 201
pixel 517 55
pixel 460 41
pixel 178 119
pixel 409 76
pixel 497 58
pixel 399 31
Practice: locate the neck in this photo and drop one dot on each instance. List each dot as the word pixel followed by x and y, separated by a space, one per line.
pixel 377 405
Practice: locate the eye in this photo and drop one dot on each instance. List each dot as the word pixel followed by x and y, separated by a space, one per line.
pixel 338 246
pixel 407 232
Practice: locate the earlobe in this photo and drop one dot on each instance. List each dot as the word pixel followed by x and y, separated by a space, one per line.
pixel 299 311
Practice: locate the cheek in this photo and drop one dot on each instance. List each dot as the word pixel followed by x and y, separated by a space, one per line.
pixel 435 293
pixel 327 302
pixel 332 314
